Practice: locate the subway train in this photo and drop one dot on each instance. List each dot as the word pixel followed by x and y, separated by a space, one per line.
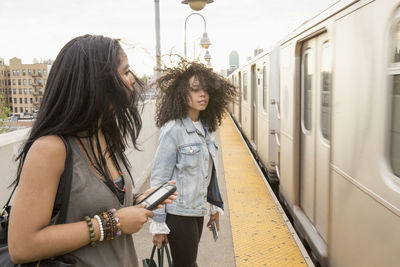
pixel 321 112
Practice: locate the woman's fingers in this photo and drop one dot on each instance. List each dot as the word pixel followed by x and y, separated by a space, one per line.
pixel 158 239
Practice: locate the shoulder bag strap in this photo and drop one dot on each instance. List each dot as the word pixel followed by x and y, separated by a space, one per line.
pixel 168 255
pixel 160 254
pixel 64 187
pixel 152 252
pixel 63 191
pixel 5 208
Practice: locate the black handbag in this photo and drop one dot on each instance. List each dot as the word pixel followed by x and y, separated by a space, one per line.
pixel 149 262
pixel 60 208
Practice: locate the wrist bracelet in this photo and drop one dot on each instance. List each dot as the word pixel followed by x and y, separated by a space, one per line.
pixel 91 231
pixel 100 226
pixel 112 224
pixel 107 225
pixel 116 223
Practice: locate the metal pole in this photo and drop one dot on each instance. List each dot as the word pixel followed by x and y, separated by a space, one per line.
pixel 194 47
pixel 205 27
pixel 158 46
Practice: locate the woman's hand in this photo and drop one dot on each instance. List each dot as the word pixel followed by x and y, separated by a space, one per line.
pixel 159 238
pixel 132 218
pixel 215 218
pixel 167 201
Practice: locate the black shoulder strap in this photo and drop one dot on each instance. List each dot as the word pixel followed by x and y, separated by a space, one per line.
pixel 5 207
pixel 64 187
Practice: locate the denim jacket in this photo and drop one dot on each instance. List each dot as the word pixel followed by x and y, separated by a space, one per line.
pixel 182 155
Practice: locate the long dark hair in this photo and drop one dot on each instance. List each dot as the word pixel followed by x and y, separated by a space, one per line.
pixel 85 94
pixel 172 102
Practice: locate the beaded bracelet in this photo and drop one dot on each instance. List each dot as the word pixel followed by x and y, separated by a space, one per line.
pixel 113 226
pixel 91 231
pixel 115 219
pixel 100 226
pixel 107 225
pixel 103 221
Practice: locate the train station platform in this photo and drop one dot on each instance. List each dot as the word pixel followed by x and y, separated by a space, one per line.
pixel 254 231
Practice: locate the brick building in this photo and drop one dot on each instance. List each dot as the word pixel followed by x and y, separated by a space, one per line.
pixel 22 85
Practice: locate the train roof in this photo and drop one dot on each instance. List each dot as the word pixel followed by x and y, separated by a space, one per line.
pixel 317 19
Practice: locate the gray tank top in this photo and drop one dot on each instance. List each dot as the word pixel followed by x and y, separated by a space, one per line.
pixel 90 196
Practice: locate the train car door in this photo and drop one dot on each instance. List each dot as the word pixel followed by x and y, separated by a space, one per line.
pixel 253 105
pixel 232 104
pixel 240 98
pixel 315 131
pixel 274 113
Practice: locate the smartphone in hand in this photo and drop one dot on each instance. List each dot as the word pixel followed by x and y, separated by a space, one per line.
pixel 214 230
pixel 158 196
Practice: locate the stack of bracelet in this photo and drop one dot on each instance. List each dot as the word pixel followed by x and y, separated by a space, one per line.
pixel 108 224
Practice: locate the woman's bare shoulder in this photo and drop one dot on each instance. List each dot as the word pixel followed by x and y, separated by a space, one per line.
pixel 49 146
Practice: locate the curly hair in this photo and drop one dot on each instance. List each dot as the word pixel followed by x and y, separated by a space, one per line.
pixel 172 102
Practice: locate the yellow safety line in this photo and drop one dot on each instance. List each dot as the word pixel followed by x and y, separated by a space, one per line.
pixel 260 235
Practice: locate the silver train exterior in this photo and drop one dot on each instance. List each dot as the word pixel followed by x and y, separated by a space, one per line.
pixel 321 110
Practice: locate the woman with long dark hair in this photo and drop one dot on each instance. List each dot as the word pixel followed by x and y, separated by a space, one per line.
pixel 192 102
pixel 90 99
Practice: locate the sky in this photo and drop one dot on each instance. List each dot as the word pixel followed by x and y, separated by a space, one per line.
pixel 40 28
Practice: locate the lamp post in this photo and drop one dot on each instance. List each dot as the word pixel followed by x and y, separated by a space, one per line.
pixel 194 47
pixel 197 4
pixel 158 46
pixel 205 41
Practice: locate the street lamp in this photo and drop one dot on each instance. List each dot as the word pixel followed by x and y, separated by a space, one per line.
pixel 207 56
pixel 205 41
pixel 197 4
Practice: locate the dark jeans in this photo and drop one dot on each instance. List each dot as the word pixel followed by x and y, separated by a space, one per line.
pixel 184 239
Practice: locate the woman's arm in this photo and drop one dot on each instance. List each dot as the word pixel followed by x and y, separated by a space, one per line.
pixel 165 159
pixel 163 167
pixel 30 237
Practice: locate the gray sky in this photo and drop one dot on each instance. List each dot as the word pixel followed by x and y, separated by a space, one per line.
pixel 40 28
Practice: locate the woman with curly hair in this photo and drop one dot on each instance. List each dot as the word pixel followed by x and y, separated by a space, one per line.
pixel 192 102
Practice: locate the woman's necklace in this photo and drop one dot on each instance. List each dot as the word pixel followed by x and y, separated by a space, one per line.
pixel 119 183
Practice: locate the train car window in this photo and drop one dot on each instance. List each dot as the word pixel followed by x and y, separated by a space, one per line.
pixel 326 90
pixel 395 138
pixel 245 86
pixel 240 85
pixel 395 124
pixel 265 88
pixel 396 43
pixel 307 76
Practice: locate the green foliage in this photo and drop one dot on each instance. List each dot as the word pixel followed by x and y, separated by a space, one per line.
pixel 4 112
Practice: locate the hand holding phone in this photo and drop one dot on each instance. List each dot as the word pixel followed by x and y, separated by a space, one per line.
pixel 158 196
pixel 214 230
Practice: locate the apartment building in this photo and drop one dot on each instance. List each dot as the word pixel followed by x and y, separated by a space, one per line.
pixel 22 85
